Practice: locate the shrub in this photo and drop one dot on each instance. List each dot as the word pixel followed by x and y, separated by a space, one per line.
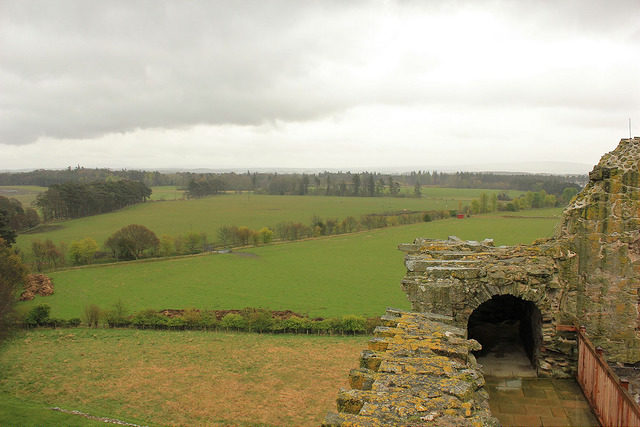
pixel 208 320
pixel 321 326
pixel 166 246
pixel 306 324
pixel 38 315
pixel 227 235
pixel 194 242
pixel 83 251
pixel 92 314
pixel 117 316
pixel 352 323
pixel 349 224
pixel 149 319
pixel 277 326
pixel 54 323
pixel 243 235
pixel 176 323
pixel 233 321
pixel 74 322
pixel 335 325
pixel 298 324
pixel 192 318
pixel 259 320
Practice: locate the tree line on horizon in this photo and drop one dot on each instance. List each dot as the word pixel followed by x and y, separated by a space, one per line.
pixel 369 184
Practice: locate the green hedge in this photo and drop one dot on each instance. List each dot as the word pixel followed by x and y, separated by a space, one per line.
pixel 247 320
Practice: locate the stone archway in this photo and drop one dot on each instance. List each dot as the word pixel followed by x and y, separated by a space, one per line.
pixel 509 329
pixel 453 278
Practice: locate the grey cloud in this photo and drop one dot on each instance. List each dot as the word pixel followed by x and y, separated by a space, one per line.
pixel 83 69
pixel 78 70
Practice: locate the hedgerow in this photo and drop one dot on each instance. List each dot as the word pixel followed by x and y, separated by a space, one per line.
pixel 247 320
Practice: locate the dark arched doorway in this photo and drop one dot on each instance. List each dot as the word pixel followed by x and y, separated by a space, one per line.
pixel 510 331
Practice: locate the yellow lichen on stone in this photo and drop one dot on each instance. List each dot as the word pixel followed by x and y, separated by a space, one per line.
pixel 414 384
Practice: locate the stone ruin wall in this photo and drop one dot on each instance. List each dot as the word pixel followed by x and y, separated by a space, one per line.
pixel 454 277
pixel 601 233
pixel 588 274
pixel 418 371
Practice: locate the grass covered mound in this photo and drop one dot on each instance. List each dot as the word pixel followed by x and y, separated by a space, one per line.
pixel 163 377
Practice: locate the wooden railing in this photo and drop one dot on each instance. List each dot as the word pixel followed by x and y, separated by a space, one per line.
pixel 609 398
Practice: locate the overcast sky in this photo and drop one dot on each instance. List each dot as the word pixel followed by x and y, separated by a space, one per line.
pixel 335 84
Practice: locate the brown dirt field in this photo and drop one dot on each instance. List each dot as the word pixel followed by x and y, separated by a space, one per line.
pixel 181 378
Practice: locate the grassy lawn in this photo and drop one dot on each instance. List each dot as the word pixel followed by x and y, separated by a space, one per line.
pixel 209 214
pixel 168 378
pixel 20 412
pixel 197 378
pixel 26 194
pixel 166 192
pixel 347 274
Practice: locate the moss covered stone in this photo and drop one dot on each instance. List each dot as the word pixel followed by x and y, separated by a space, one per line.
pixel 425 376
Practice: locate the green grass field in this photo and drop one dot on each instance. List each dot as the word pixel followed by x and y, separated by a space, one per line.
pixel 21 412
pixel 345 274
pixel 26 194
pixel 169 378
pixel 166 192
pixel 209 214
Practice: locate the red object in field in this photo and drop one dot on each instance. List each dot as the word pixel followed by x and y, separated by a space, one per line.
pixel 460 216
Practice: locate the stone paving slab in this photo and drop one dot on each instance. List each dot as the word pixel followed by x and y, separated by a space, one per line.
pixel 538 402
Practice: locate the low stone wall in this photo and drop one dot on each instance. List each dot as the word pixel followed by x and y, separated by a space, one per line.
pixel 418 371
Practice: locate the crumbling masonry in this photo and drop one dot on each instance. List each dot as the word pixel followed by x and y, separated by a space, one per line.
pixel 588 274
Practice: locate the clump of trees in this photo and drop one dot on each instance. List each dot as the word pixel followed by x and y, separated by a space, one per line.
pixel 12 276
pixel 231 235
pixel 15 217
pixel 350 224
pixel 186 244
pixel 83 251
pixel 75 200
pixel 529 200
pixel 7 233
pixel 205 186
pixel 47 255
pixel 137 241
pixel 132 242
